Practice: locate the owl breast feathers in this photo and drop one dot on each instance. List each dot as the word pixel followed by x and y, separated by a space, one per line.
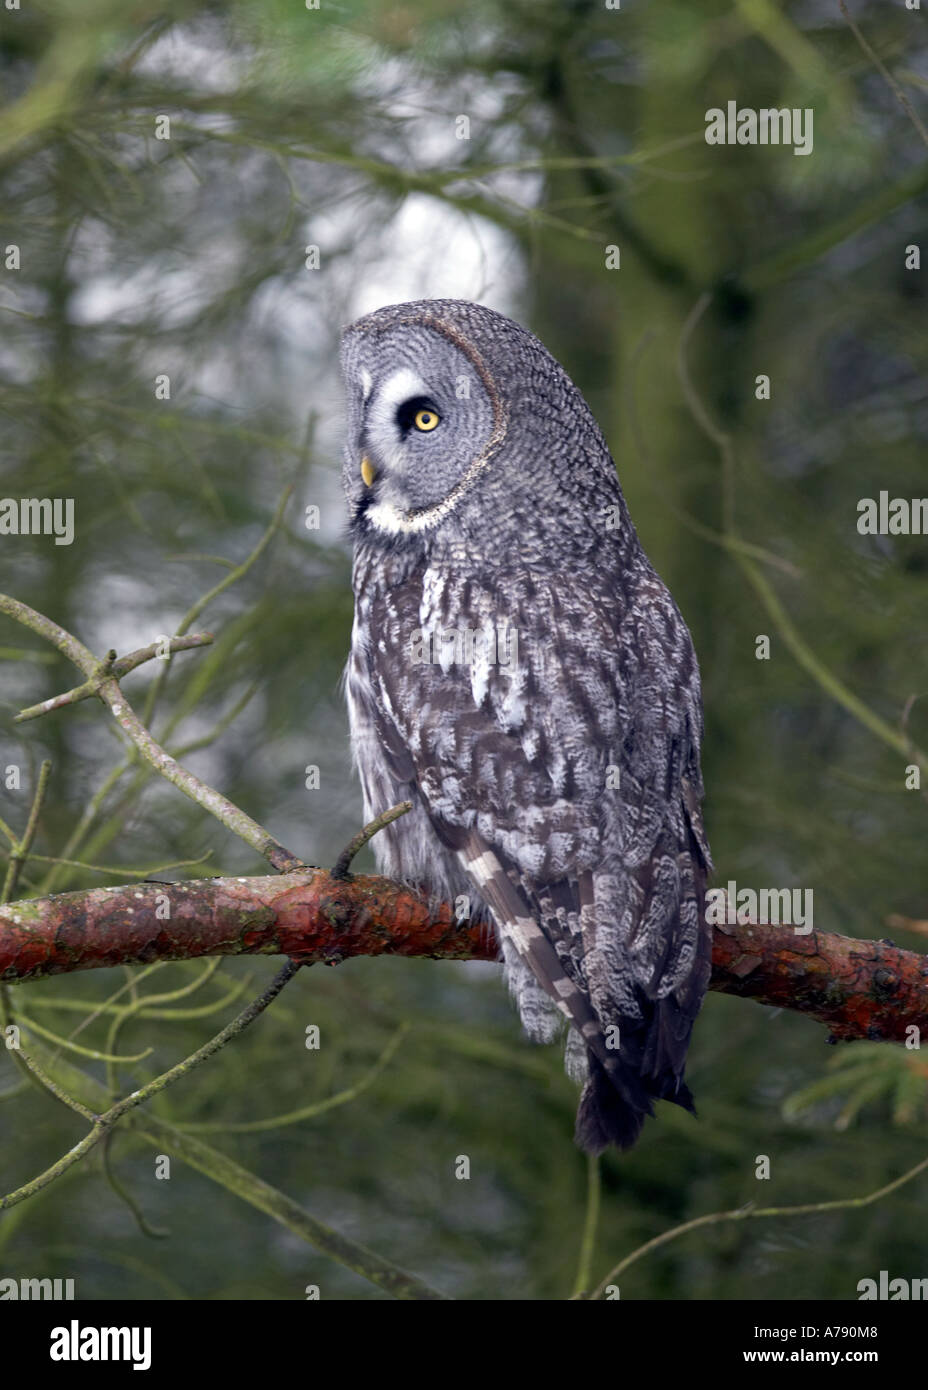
pixel 521 674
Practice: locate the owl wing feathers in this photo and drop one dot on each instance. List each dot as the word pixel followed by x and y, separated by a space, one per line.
pixel 615 1098
pixel 596 892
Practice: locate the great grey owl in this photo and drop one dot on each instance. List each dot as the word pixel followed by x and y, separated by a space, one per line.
pixel 521 674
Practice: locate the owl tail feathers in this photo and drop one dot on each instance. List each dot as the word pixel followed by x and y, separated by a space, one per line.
pixel 678 1093
pixel 612 1109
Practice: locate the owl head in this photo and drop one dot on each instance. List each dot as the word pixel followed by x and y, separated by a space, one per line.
pixel 462 424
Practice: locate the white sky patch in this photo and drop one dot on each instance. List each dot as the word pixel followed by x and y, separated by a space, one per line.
pixel 123 612
pixel 170 293
pixel 426 249
pixel 193 53
pixel 431 251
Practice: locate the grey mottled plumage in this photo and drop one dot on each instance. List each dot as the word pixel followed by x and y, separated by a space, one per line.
pixel 556 788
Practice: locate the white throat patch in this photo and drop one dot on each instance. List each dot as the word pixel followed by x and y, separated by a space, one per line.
pixel 389 519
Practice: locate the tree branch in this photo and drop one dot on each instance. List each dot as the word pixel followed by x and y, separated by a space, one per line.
pixel 859 989
pixel 102 681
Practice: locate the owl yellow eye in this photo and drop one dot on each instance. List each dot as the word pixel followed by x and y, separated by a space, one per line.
pixel 425 420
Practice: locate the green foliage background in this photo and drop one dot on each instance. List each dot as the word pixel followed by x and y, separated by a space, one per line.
pixel 336 127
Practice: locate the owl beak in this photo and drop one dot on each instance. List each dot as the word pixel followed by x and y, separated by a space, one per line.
pixel 368 471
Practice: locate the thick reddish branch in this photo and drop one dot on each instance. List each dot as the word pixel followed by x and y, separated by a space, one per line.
pixel 860 989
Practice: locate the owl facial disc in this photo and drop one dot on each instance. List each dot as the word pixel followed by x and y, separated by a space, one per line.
pixel 424 421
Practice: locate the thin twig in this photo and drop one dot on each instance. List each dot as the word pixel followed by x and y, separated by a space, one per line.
pixel 803 654
pixel 103 1123
pixel 588 1243
pixel 878 63
pixel 19 851
pixel 306 1112
pixel 108 690
pixel 116 668
pixel 750 1212
pixel 355 846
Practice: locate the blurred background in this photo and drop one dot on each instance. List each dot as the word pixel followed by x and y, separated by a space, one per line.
pixel 207 193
